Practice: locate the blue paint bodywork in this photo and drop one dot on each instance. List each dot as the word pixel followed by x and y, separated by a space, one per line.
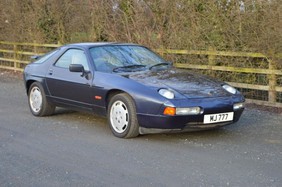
pixel 69 89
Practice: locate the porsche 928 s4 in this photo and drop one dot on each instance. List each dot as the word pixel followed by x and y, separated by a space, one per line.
pixel 138 91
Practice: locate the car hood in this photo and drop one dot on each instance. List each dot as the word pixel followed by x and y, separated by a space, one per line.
pixel 185 82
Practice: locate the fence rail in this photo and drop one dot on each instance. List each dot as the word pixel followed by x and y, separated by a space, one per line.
pixel 14 56
pixel 273 88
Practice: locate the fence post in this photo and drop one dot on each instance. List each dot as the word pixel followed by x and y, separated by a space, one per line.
pixel 35 48
pixel 15 57
pixel 272 82
pixel 161 52
pixel 211 60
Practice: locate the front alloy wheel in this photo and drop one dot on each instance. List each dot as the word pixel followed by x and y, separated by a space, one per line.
pixel 122 116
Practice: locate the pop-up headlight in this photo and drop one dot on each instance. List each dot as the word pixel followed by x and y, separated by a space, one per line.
pixel 166 93
pixel 230 89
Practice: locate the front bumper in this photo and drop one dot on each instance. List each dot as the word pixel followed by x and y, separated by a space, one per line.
pixel 181 122
pixel 188 128
pixel 162 123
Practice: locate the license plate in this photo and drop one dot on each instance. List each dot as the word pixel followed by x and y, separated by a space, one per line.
pixel 216 118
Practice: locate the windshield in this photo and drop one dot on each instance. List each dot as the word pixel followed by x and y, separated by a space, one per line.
pixel 123 58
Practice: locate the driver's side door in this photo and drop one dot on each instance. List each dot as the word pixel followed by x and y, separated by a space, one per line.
pixel 67 87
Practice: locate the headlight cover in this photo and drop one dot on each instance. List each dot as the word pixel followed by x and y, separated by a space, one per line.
pixel 166 93
pixel 230 89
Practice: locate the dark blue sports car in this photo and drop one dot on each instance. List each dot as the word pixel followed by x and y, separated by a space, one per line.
pixel 137 90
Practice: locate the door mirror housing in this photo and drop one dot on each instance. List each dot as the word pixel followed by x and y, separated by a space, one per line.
pixel 76 68
pixel 80 69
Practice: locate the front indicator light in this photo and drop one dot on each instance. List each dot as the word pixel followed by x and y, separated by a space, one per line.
pixel 170 111
pixel 238 106
pixel 188 111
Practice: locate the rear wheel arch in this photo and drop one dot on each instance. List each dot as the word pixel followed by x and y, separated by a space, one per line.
pixel 28 84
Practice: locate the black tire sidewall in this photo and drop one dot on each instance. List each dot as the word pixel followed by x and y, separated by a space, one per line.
pixel 46 108
pixel 35 84
pixel 126 99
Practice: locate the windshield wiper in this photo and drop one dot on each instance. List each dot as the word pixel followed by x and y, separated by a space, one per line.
pixel 160 64
pixel 128 68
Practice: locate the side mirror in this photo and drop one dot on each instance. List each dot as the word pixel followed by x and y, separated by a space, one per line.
pixel 80 69
pixel 76 68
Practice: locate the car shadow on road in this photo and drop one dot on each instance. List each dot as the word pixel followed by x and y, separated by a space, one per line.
pixel 63 111
pixel 86 119
pixel 195 135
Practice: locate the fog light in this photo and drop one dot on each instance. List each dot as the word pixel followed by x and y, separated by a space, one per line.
pixel 238 106
pixel 188 111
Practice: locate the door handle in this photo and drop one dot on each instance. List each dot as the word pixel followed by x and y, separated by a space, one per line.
pixel 50 72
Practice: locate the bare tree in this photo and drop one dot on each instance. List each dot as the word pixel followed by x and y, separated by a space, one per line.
pixel 240 25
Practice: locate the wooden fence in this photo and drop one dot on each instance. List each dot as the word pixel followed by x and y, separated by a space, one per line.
pixel 14 56
pixel 14 53
pixel 273 71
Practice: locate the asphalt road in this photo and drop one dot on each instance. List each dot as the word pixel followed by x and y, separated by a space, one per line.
pixel 78 149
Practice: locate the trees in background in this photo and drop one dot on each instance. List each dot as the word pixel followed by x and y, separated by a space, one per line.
pixel 240 25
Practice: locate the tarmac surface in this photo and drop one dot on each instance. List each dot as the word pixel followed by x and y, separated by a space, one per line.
pixel 78 149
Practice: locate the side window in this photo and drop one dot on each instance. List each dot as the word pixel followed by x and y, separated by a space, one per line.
pixel 72 56
pixel 45 57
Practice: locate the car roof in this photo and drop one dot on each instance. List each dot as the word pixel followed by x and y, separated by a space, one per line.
pixel 94 44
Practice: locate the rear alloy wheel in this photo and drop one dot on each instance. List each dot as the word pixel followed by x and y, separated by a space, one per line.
pixel 38 104
pixel 122 116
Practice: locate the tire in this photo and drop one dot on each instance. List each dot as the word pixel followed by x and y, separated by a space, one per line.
pixel 122 117
pixel 38 104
